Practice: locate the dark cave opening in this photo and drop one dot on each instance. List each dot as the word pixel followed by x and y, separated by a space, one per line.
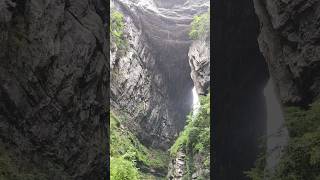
pixel 241 74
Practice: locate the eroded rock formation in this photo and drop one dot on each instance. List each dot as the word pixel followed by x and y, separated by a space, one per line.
pixel 199 60
pixel 289 41
pixel 53 90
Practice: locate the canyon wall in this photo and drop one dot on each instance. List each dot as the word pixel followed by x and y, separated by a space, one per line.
pixel 54 95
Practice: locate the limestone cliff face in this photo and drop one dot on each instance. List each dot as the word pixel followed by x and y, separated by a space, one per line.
pixel 199 60
pixel 289 41
pixel 138 89
pixel 152 82
pixel 53 90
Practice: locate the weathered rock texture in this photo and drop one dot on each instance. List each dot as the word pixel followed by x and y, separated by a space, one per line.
pixel 53 94
pixel 199 60
pixel 240 75
pixel 177 167
pixel 289 41
pixel 151 82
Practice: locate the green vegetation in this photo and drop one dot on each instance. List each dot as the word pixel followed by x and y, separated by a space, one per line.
pixel 200 26
pixel 195 138
pixel 301 159
pixel 125 147
pixel 122 169
pixel 117 29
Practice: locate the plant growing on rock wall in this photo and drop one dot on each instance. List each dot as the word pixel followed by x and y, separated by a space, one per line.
pixel 197 131
pixel 195 138
pixel 125 146
pixel 200 26
pixel 117 29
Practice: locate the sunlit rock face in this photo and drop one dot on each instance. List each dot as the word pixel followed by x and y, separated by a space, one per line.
pixel 53 90
pixel 155 71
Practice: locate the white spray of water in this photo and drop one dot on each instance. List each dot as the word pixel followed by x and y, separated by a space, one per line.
pixel 277 133
pixel 195 102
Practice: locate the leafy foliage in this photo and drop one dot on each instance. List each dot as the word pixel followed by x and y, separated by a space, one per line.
pixel 301 159
pixel 196 133
pixel 117 29
pixel 124 144
pixel 200 26
pixel 195 138
pixel 122 169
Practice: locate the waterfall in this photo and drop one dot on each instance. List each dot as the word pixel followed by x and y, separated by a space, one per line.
pixel 277 133
pixel 195 102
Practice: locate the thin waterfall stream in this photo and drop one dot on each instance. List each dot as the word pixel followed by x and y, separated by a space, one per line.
pixel 277 133
pixel 195 101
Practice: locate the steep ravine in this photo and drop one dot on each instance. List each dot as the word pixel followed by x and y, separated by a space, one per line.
pixel 157 72
pixel 152 80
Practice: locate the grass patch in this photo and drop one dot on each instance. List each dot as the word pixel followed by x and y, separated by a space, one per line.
pixel 125 145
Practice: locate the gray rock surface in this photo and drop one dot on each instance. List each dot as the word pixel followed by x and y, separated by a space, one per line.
pixel 53 90
pixel 199 60
pixel 178 167
pixel 289 41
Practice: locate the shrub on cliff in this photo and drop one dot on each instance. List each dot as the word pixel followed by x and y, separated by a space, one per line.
pixel 117 29
pixel 124 145
pixel 196 133
pixel 194 140
pixel 200 26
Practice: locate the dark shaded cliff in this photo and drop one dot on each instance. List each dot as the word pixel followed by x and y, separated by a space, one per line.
pixel 288 36
pixel 289 41
pixel 53 90
pixel 240 74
